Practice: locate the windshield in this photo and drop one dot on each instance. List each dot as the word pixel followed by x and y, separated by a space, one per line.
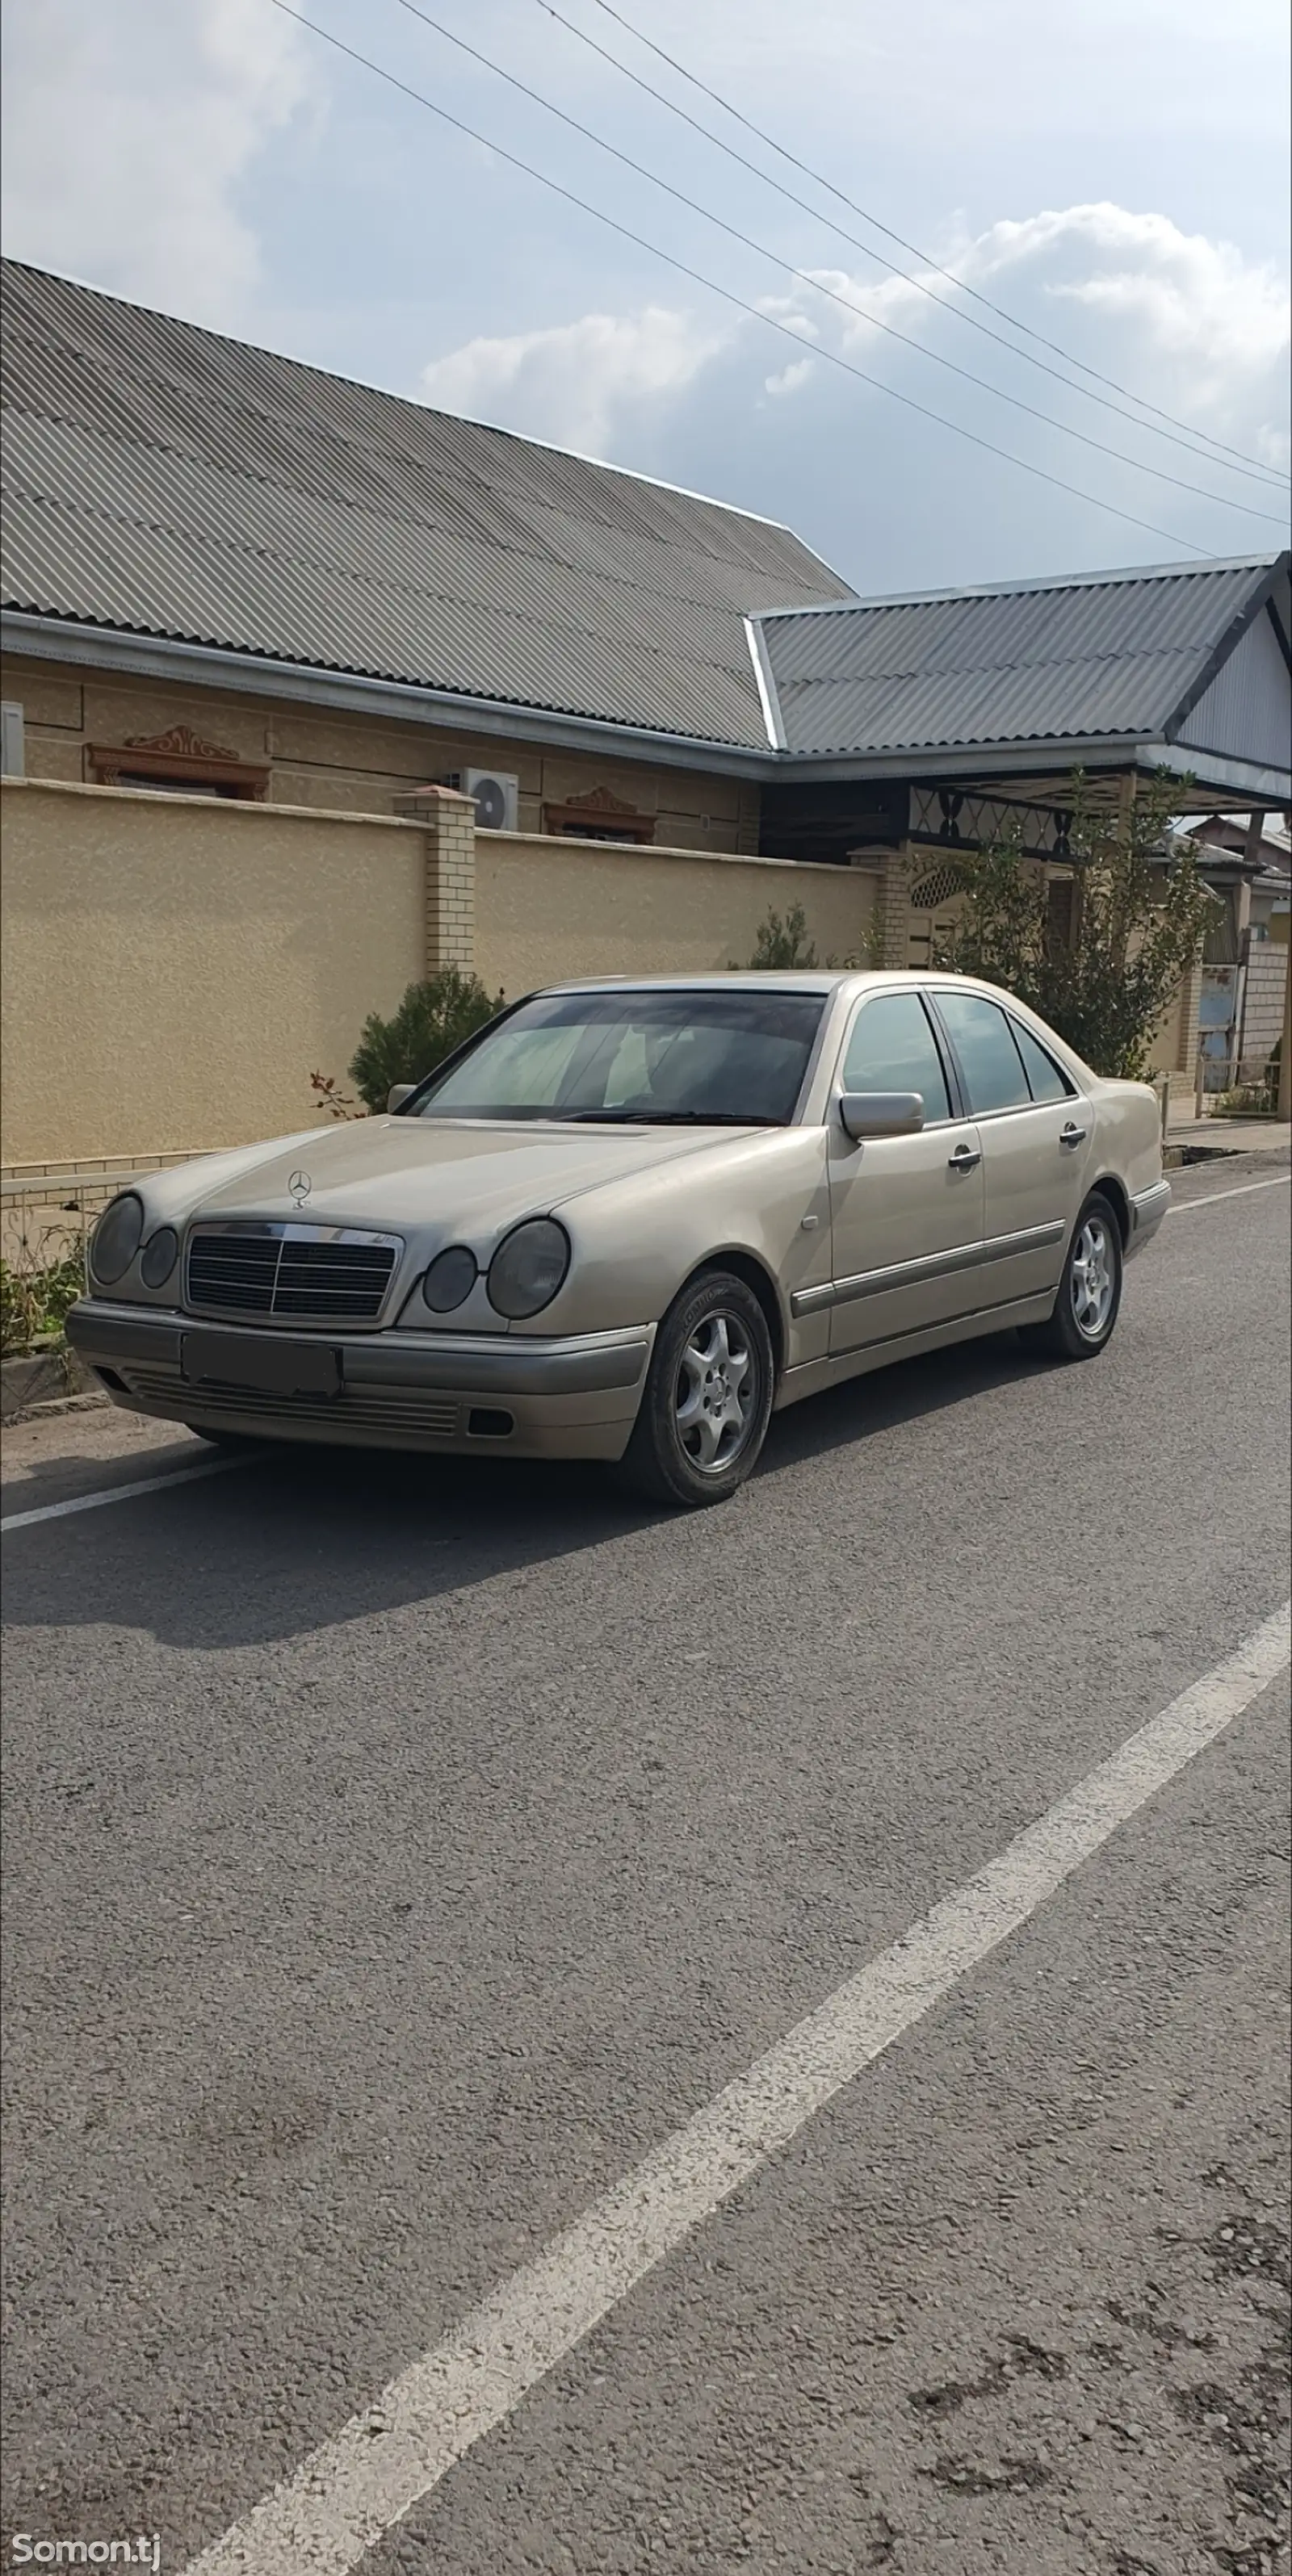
pixel 668 1057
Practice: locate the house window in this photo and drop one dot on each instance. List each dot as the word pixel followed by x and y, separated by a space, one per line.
pixel 179 762
pixel 599 817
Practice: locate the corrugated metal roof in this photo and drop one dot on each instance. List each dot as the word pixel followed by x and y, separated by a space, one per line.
pixel 1118 654
pixel 162 479
pixel 165 481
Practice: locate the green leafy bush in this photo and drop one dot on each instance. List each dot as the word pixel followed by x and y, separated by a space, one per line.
pixel 35 1298
pixel 432 1019
pixel 1139 921
pixel 783 943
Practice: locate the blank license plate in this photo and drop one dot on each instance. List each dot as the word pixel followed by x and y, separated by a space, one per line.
pixel 272 1368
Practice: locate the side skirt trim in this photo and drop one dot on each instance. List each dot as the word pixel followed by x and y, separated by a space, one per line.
pixel 812 1377
pixel 931 1265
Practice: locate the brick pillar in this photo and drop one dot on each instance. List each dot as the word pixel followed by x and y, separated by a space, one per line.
pixel 1285 1045
pixel 449 822
pixel 1190 997
pixel 891 920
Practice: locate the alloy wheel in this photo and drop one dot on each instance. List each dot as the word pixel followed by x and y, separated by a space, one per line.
pixel 1094 1278
pixel 718 1392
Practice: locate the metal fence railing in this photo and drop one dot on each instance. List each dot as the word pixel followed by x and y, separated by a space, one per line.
pixel 1241 1085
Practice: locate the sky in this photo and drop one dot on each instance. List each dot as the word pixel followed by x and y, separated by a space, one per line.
pixel 1112 176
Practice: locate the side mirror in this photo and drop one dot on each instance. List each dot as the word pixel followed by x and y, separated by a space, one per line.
pixel 881 1113
pixel 398 1093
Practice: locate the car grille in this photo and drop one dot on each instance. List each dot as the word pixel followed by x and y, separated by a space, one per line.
pixel 314 1274
pixel 379 1412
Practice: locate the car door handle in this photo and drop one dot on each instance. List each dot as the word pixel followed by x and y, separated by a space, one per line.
pixel 1072 1135
pixel 965 1159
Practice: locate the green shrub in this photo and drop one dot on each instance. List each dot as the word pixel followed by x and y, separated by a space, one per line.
pixel 784 943
pixel 432 1019
pixel 35 1298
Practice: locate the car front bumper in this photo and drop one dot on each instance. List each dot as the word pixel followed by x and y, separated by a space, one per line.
pixel 571 1397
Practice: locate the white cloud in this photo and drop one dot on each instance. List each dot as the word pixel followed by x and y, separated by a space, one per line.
pixel 784 312
pixel 1188 322
pixel 128 132
pixel 574 382
pixel 790 378
pixel 1195 297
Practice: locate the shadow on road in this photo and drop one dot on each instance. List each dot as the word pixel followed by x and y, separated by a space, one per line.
pixel 300 1540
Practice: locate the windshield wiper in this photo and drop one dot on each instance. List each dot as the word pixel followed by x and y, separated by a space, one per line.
pixel 664 1118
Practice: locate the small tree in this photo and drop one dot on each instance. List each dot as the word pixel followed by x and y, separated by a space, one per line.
pixel 781 944
pixel 1140 912
pixel 432 1019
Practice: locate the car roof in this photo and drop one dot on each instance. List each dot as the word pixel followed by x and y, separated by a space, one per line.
pixel 804 979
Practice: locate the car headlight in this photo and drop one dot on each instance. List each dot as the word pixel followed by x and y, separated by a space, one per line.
pixel 161 1253
pixel 450 1279
pixel 528 1267
pixel 116 1239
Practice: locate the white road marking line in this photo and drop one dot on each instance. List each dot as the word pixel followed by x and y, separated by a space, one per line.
pixel 118 1494
pixel 1244 1189
pixel 354 2487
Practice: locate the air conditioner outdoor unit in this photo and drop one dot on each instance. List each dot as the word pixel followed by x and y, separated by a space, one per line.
pixel 494 793
pixel 12 756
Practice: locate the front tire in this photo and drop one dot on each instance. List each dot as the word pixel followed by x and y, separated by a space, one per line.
pixel 1090 1291
pixel 708 1397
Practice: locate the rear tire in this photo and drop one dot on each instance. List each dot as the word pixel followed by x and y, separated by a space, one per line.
pixel 1090 1291
pixel 707 1400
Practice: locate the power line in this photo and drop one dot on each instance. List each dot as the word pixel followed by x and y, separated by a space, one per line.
pixel 783 330
pixel 803 277
pixel 1264 474
pixel 959 283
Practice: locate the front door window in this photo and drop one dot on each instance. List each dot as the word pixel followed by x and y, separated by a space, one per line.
pixel 893 1048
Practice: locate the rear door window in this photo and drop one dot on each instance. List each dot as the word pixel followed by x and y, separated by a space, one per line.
pixel 988 1058
pixel 1045 1079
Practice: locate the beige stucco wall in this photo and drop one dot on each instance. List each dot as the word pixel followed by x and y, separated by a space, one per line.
pixel 547 909
pixel 174 970
pixel 356 763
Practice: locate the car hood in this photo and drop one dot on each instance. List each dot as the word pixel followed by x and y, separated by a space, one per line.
pixel 383 1172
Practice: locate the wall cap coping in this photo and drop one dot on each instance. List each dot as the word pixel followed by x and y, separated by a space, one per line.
pixel 406 804
pixel 661 850
pixel 244 808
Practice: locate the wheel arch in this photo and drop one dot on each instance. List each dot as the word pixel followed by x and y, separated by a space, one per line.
pixel 746 1265
pixel 1109 1187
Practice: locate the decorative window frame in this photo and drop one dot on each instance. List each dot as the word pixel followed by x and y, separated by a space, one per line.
pixel 179 759
pixel 599 816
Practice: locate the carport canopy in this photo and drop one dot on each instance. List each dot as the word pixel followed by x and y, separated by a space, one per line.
pixel 919 717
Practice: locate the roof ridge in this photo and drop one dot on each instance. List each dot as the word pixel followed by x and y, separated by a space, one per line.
pixel 1115 577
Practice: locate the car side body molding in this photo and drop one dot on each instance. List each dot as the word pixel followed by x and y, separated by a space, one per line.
pixel 933 1265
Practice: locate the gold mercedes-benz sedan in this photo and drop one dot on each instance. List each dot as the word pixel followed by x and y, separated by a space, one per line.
pixel 628 1220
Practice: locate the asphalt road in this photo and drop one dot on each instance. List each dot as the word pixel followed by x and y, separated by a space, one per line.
pixel 395 1855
